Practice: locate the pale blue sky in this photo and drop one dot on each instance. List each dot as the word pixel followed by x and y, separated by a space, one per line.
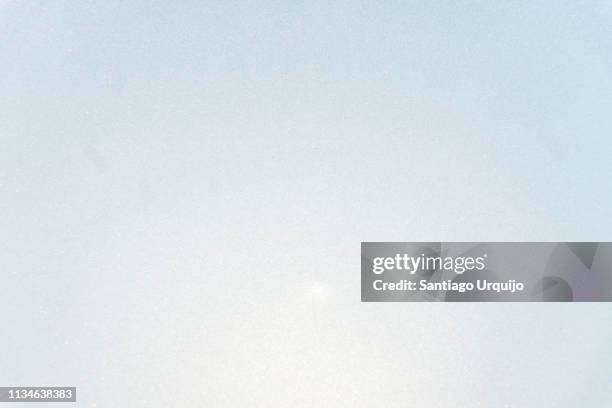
pixel 184 187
